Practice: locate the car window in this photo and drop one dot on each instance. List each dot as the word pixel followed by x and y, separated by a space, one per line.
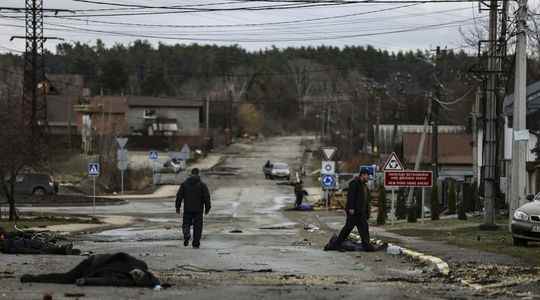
pixel 281 166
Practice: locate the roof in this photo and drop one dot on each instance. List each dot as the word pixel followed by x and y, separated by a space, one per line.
pixel 533 100
pixel 454 149
pixel 143 101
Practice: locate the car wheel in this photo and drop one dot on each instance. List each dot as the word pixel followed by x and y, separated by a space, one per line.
pixel 519 242
pixel 39 192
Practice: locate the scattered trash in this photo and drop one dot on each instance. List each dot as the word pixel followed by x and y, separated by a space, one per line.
pixel 304 242
pixel 393 250
pixel 157 288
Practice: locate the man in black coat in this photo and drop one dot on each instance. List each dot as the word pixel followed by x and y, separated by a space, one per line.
pixel 196 199
pixel 119 269
pixel 357 211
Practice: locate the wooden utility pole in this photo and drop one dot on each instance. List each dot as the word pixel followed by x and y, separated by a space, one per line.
pixel 520 139
pixel 434 121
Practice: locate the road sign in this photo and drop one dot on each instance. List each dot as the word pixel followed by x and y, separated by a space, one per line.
pixel 122 155
pixel 186 151
pixel 393 163
pixel 328 182
pixel 93 169
pixel 328 167
pixel 420 179
pixel 153 155
pixel 371 169
pixel 122 165
pixel 328 152
pixel 121 142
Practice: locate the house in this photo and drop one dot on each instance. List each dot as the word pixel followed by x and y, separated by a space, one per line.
pixel 533 106
pixel 386 133
pixel 64 91
pixel 455 154
pixel 164 116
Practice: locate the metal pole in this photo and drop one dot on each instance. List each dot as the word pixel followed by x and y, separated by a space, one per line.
pixel 393 209
pixel 122 180
pixel 423 201
pixel 520 144
pixel 94 198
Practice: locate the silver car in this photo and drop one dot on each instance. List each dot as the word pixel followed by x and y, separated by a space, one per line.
pixel 280 170
pixel 526 222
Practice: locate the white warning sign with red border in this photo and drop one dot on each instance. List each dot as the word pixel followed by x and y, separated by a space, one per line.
pixel 393 163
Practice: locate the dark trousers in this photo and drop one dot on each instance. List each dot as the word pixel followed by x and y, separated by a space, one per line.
pixel 299 198
pixel 195 220
pixel 363 229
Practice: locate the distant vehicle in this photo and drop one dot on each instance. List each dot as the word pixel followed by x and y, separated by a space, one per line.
pixel 277 170
pixel 35 184
pixel 526 222
pixel 174 165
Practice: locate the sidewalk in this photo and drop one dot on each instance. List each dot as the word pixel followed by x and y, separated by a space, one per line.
pixel 169 191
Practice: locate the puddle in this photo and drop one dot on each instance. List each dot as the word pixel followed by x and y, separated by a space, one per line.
pixel 279 203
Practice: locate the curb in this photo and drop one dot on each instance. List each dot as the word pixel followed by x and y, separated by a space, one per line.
pixel 439 265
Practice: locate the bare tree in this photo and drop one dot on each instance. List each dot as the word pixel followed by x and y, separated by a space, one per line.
pixel 17 148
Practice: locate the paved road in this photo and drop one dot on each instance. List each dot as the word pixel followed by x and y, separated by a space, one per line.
pixel 249 229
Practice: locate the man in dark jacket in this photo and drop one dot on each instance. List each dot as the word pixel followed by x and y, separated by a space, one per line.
pixel 119 269
pixel 196 199
pixel 357 211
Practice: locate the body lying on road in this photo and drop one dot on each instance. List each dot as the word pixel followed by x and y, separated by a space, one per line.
pixel 25 243
pixel 119 269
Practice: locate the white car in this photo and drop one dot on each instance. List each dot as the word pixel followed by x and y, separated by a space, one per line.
pixel 526 222
pixel 280 170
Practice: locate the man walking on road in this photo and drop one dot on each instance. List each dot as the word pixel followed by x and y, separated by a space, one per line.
pixel 357 211
pixel 196 199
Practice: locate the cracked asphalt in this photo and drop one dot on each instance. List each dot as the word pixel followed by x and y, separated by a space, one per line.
pixel 252 246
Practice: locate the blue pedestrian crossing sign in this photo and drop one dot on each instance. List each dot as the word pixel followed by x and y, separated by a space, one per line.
pixel 93 169
pixel 153 155
pixel 328 182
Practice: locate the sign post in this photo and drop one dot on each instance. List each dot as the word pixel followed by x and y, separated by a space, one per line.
pixel 392 164
pixel 422 211
pixel 153 156
pixel 122 158
pixel 328 173
pixel 94 170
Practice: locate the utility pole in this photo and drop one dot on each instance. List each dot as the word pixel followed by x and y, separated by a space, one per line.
pixel 34 104
pixel 434 121
pixel 377 139
pixel 490 123
pixel 520 139
pixel 474 118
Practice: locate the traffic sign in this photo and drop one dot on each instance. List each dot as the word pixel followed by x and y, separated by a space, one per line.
pixel 420 179
pixel 371 169
pixel 186 152
pixel 328 152
pixel 393 163
pixel 122 155
pixel 93 169
pixel 122 165
pixel 328 182
pixel 153 155
pixel 121 142
pixel 328 167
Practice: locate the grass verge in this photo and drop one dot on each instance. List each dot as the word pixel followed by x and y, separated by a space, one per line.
pixel 466 234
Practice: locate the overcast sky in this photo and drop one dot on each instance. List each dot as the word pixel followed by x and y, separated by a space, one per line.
pixel 388 26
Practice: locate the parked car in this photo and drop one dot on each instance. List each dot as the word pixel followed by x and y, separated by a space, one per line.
pixel 173 165
pixel 526 222
pixel 35 184
pixel 279 170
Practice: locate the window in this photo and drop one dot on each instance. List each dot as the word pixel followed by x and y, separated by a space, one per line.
pixel 149 113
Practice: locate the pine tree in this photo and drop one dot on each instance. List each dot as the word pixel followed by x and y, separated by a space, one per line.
pixel 435 206
pixel 381 214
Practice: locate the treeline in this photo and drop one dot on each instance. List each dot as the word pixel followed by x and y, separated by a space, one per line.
pixel 279 82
